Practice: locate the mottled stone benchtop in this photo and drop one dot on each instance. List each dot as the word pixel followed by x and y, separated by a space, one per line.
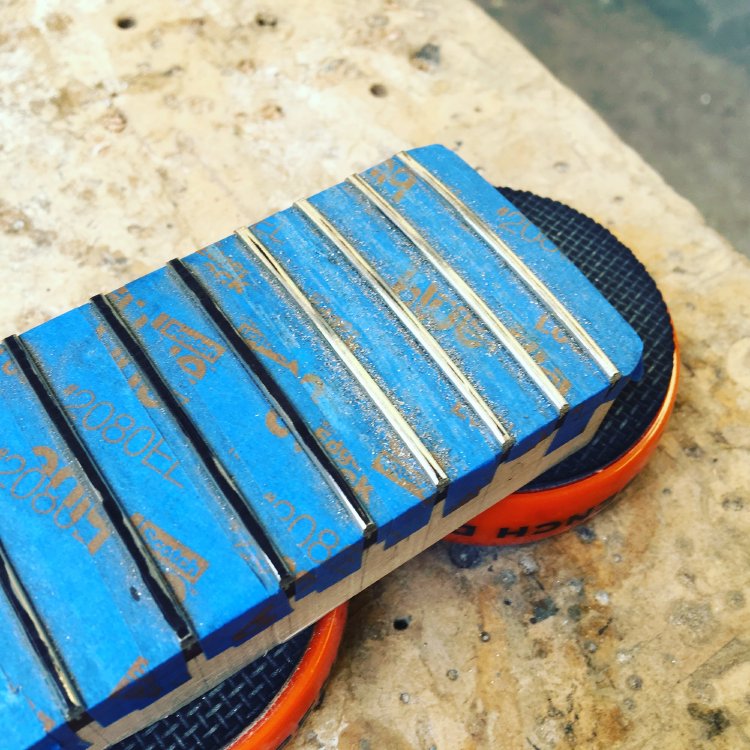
pixel 124 147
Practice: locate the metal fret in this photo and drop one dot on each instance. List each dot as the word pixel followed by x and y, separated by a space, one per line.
pixel 412 323
pixel 472 299
pixel 281 404
pixel 153 577
pixel 527 276
pixel 56 666
pixel 394 417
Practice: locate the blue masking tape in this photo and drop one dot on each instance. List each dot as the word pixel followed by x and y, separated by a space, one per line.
pixel 468 453
pixel 575 376
pixel 75 569
pixel 211 563
pixel 389 482
pixel 494 373
pixel 32 713
pixel 309 524
pixel 484 269
pixel 577 293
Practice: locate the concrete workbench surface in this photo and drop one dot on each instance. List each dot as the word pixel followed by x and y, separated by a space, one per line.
pixel 134 133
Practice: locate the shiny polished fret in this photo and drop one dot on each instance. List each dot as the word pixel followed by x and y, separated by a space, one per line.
pixel 412 323
pixel 527 276
pixel 472 299
pixel 420 452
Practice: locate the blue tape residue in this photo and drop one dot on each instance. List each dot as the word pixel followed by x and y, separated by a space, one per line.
pixel 82 581
pixel 310 525
pixel 212 564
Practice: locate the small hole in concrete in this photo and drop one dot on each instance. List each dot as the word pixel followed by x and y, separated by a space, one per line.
pixel 377 89
pixel 401 623
pixel 126 22
pixel 266 19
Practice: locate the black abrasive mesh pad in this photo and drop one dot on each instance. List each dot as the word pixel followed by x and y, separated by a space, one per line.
pixel 621 278
pixel 212 721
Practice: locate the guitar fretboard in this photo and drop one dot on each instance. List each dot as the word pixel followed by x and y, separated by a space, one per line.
pixel 201 463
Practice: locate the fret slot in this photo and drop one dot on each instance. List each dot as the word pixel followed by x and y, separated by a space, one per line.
pixel 309 532
pixel 427 461
pixel 41 643
pixel 281 402
pixel 152 576
pixel 30 688
pixel 201 447
pixel 370 456
pixel 78 572
pixel 381 350
pixel 210 568
pixel 492 372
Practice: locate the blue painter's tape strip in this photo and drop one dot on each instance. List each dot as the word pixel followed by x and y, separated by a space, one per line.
pixel 75 569
pixel 365 449
pixel 212 565
pixel 560 275
pixel 575 376
pixel 32 712
pixel 468 454
pixel 311 526
pixel 495 375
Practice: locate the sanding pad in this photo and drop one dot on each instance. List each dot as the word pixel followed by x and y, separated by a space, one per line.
pixel 259 707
